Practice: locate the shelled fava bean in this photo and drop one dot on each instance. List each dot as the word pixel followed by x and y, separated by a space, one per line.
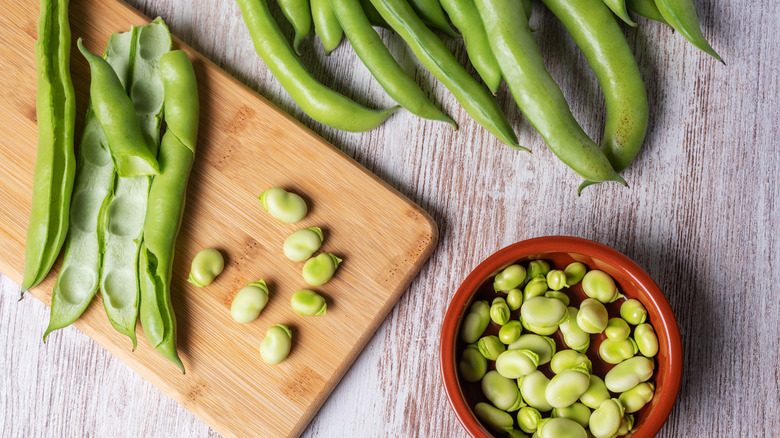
pixel 532 302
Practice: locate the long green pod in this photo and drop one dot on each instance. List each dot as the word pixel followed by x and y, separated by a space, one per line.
pixel 166 203
pixel 79 276
pixel 318 101
pixel 536 93
pixel 373 14
pixel 620 9
pixel 465 17
pixel 681 15
pixel 434 55
pixel 326 25
pixel 55 160
pixel 298 14
pixel 122 218
pixel 372 51
pixel 114 110
pixel 432 13
pixel 647 9
pixel 601 40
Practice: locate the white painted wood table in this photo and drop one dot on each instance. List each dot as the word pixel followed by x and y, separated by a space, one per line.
pixel 701 217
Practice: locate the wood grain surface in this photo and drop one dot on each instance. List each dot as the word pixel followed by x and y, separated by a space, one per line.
pixel 700 218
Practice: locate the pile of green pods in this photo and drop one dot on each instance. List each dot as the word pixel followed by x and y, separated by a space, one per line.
pixel 533 385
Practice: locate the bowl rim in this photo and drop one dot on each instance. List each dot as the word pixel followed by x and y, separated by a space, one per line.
pixel 508 255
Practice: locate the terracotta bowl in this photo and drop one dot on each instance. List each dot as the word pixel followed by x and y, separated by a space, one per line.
pixel 632 281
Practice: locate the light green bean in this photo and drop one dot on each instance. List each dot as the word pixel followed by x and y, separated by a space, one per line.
pixel 515 363
pixel 646 340
pixel 475 322
pixel 615 352
pixel 556 279
pixel 543 346
pixel 633 311
pixel 490 347
pixel 509 278
pixel 577 412
pixel 536 287
pixel 472 365
pixel 285 206
pixel 596 394
pixel 306 302
pixel 573 336
pixel 543 312
pixel 532 387
pixel 302 244
pixel 629 373
pixel 565 359
pixel 320 269
pixel 538 267
pixel 249 302
pixel 637 397
pixel 566 387
pixel 207 264
pixel 560 428
pixel 592 316
pixel 617 329
pixel 574 273
pixel 276 344
pixel 605 420
pixel 495 419
pixel 514 299
pixel 528 419
pixel 501 391
pixel 558 295
pixel 499 311
pixel 599 285
pixel 510 332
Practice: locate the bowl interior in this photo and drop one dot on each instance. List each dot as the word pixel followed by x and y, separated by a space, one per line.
pixel 632 281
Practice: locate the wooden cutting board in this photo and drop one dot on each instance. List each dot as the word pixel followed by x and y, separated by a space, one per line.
pixel 245 146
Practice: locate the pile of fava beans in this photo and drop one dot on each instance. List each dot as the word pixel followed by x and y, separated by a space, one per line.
pixel 520 381
pixel 501 48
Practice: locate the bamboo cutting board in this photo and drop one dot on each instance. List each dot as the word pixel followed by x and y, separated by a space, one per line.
pixel 245 146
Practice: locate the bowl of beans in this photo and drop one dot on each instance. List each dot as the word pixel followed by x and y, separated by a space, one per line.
pixel 560 337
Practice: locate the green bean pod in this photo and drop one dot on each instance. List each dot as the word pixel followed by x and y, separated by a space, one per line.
pixel 475 322
pixel 681 15
pixel 596 393
pixel 432 13
pixel 536 93
pixel 615 352
pixel 533 387
pixel 490 347
pixel 637 397
pixel 543 346
pixel 377 58
pixel 606 419
pixel 560 428
pixel 463 14
pixel 318 101
pixel 577 412
pixel 509 278
pixel 472 365
pixel 618 7
pixel 565 359
pixel 573 336
pixel 326 25
pixel 646 340
pixel 114 110
pixel 566 387
pixel 437 58
pixel 629 373
pixel 298 14
pixel 501 391
pixel 528 419
pixel 55 160
pixel 515 363
pixel 647 9
pixel 79 276
pixel 373 15
pixel 609 55
pixel 166 202
pixel 499 311
pixel 494 418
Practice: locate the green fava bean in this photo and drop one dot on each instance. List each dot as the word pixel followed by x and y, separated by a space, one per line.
pixel 543 346
pixel 577 412
pixel 276 344
pixel 495 419
pixel 556 279
pixel 637 397
pixel 501 391
pixel 629 373
pixel 615 352
pixel 475 322
pixel 565 359
pixel 283 205
pixel 599 285
pixel 605 420
pixel 538 267
pixel 535 288
pixel 511 277
pixel 302 244
pixel 574 273
pixel 597 392
pixel 626 425
pixel 306 302
pixel 617 329
pixel 499 311
pixel 646 340
pixel 560 428
pixel 567 387
pixel 532 387
pixel 592 316
pixel 542 331
pixel 206 265
pixel 472 365
pixel 515 363
pixel 543 312
pixel 319 270
pixel 514 299
pixel 491 347
pixel 510 332
pixel 573 336
pixel 633 312
pixel 249 302
pixel 514 433
pixel 558 295
pixel 528 418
